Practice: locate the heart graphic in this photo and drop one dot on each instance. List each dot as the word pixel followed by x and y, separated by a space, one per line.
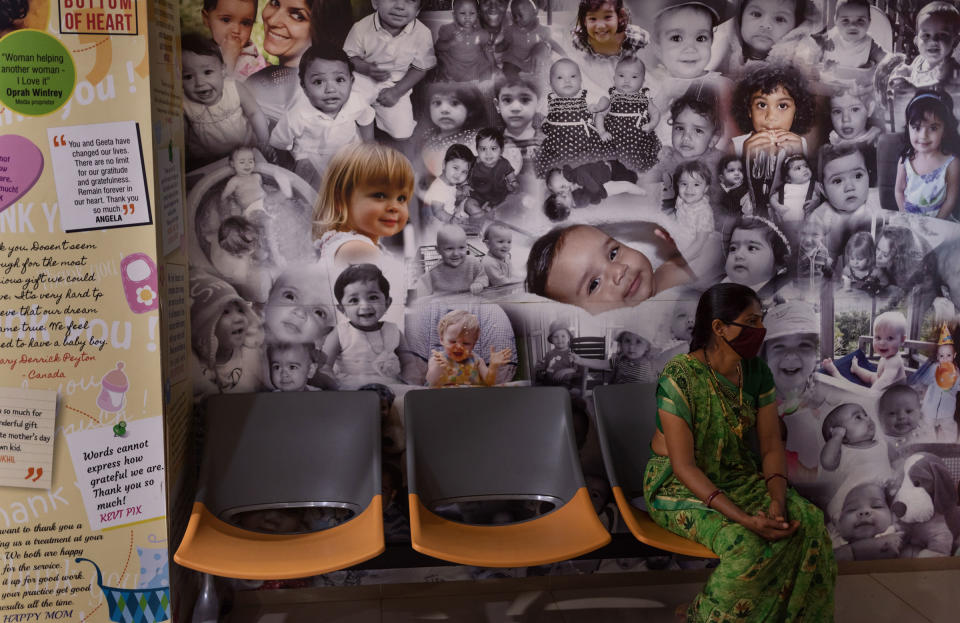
pixel 21 163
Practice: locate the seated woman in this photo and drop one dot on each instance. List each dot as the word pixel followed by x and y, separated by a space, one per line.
pixel 704 482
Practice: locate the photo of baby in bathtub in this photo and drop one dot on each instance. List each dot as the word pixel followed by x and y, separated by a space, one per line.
pixel 584 266
pixel 251 218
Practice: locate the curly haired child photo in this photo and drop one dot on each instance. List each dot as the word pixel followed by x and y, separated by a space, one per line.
pixel 774 106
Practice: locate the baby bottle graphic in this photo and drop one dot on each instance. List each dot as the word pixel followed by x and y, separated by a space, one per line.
pixel 114 385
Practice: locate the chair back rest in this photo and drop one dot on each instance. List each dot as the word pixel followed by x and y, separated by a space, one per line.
pixel 625 423
pixel 491 441
pixel 589 347
pixel 290 448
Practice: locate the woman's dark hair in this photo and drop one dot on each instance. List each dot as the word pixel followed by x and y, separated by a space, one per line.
pixel 766 79
pixel 540 259
pixel 11 11
pixel 724 302
pixel 588 6
pixel 939 104
pixel 907 253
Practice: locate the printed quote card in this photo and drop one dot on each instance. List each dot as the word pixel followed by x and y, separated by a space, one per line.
pixel 27 422
pixel 120 472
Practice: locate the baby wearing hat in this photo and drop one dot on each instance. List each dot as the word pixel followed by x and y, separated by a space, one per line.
pixel 790 350
pixel 558 366
pixel 224 332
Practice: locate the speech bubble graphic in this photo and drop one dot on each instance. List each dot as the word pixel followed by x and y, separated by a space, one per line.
pixel 21 163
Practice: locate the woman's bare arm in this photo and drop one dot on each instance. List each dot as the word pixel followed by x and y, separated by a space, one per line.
pixel 680 449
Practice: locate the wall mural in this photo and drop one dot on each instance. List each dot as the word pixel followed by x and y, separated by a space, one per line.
pixel 579 174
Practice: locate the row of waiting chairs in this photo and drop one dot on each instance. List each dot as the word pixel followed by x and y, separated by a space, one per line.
pixel 276 450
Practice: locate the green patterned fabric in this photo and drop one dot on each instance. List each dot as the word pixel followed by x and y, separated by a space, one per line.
pixel 757 580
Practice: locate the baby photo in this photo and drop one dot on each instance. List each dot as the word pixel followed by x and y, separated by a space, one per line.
pixel 457 364
pixel 485 323
pixel 364 348
pixel 584 266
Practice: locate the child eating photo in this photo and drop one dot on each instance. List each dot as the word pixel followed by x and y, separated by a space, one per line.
pixel 457 364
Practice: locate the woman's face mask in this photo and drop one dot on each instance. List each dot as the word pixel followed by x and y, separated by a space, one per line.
pixel 747 344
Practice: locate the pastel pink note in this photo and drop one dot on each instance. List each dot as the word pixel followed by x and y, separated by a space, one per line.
pixel 21 163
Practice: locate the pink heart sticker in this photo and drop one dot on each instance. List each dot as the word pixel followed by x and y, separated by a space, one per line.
pixel 21 163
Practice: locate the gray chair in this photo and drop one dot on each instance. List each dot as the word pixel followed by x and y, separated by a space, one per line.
pixel 625 424
pixel 475 444
pixel 287 452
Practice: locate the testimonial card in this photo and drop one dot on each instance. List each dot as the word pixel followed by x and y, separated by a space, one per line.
pixel 27 421
pixel 120 472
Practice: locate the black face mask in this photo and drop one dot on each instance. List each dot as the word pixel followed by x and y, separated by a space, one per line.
pixel 748 343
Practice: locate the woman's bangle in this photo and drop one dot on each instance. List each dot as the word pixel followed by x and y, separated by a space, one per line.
pixel 772 476
pixel 711 496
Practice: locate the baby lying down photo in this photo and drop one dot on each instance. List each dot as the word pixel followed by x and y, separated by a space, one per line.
pixel 588 267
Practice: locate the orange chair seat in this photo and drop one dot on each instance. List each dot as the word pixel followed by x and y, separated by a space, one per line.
pixel 649 532
pixel 213 546
pixel 570 531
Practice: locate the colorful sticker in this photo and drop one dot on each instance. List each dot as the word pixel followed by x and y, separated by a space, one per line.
pixel 138 273
pixel 37 74
pixel 21 163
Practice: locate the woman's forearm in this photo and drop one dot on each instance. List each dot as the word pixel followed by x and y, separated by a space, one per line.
pixel 702 487
pixel 775 473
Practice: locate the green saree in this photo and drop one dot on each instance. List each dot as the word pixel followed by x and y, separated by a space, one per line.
pixel 757 580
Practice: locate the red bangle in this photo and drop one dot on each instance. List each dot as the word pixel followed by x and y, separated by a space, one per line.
pixel 711 496
pixel 772 476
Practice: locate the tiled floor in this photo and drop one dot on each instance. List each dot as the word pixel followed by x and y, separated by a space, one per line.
pixel 914 597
